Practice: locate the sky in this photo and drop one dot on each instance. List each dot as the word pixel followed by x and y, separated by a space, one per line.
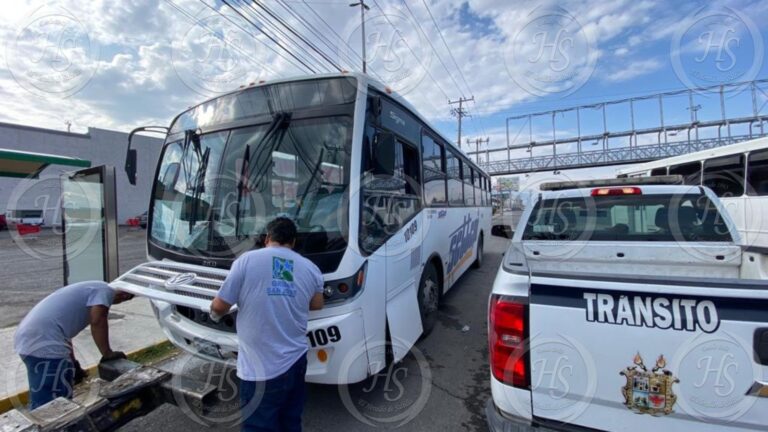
pixel 119 65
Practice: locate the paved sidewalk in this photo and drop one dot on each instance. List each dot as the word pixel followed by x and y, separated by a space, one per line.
pixel 132 326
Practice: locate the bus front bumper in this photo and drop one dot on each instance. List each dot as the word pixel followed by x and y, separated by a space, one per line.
pixel 336 356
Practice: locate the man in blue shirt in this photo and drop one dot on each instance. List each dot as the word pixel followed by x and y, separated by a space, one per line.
pixel 274 289
pixel 44 337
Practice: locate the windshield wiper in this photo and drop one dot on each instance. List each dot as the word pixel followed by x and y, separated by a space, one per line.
pixel 279 121
pixel 199 188
pixel 311 179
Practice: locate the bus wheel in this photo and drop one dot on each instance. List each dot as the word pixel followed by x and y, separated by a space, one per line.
pixel 479 259
pixel 429 297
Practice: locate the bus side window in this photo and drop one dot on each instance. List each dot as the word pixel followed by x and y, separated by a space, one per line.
pixel 725 175
pixel 433 155
pixel 455 188
pixel 691 172
pixel 469 190
pixel 757 175
pixel 659 171
pixel 391 189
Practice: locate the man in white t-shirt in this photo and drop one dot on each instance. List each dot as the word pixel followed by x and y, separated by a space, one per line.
pixel 274 289
pixel 44 337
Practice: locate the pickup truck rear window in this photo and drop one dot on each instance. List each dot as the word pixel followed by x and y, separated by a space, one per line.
pixel 689 217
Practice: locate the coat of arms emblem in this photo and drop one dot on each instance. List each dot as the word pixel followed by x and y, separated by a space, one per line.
pixel 649 392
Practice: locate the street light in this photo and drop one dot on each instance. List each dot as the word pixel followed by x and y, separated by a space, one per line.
pixel 363 7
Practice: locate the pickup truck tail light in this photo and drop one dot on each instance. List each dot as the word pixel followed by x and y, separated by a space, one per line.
pixel 508 341
pixel 614 191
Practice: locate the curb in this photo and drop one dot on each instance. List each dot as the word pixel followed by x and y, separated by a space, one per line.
pixel 21 399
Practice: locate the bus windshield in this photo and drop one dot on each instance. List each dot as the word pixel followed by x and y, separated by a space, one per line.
pixel 216 192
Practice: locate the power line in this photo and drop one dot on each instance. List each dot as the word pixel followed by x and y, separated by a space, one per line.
pixel 460 112
pixel 384 14
pixel 416 20
pixel 477 142
pixel 303 39
pixel 455 63
pixel 279 34
pixel 196 21
pixel 332 30
pixel 309 26
pixel 269 36
pixel 439 32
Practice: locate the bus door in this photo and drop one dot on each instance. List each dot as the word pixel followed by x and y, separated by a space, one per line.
pixel 404 250
pixel 89 224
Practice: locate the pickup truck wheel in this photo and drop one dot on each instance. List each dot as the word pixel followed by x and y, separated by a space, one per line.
pixel 429 298
pixel 479 259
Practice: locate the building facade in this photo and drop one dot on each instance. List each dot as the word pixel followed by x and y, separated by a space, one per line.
pixel 100 146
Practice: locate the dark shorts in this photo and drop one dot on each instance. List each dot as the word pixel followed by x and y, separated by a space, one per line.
pixel 48 379
pixel 275 404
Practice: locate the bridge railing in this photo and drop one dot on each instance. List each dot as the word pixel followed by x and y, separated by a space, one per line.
pixel 615 156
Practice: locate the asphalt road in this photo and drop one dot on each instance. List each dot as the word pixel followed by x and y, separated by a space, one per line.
pixel 32 268
pixel 441 386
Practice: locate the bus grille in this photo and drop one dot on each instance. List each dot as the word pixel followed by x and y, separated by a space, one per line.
pixel 156 274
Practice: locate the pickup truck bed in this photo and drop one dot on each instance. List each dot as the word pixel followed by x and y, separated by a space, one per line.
pixel 627 335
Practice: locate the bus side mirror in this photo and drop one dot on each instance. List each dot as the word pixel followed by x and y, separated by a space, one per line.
pixel 130 166
pixel 502 231
pixel 375 106
pixel 384 154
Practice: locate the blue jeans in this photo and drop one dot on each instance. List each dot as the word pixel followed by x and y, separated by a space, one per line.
pixel 48 379
pixel 281 401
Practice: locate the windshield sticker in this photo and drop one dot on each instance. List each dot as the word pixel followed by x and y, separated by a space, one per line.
pixel 649 392
pixel 462 241
pixel 282 278
pixel 653 312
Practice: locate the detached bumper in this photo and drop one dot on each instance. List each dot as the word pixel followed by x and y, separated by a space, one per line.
pixel 498 422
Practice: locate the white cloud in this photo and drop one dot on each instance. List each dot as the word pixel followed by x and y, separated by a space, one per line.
pixel 633 70
pixel 153 62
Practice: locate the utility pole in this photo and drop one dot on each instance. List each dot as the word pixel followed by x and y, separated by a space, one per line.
pixel 460 112
pixel 478 141
pixel 363 7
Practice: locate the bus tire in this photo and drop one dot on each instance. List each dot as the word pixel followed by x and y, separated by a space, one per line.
pixel 429 299
pixel 479 258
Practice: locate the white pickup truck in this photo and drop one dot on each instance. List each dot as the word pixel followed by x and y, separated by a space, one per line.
pixel 628 305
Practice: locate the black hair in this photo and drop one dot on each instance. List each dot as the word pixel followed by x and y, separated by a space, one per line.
pixel 282 230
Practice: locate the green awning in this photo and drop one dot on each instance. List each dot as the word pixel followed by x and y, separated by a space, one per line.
pixel 21 164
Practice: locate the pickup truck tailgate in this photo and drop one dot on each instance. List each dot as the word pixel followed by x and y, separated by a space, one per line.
pixel 644 354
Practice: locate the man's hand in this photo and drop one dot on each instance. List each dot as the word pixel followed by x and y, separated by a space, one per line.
pixel 112 355
pixel 219 308
pixel 80 373
pixel 317 302
pixel 215 317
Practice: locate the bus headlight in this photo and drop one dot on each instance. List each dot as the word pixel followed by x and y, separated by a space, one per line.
pixel 340 290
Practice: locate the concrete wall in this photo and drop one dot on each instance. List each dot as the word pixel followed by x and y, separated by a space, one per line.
pixel 100 146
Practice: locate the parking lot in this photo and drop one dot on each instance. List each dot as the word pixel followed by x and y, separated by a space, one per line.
pixel 32 268
pixel 443 385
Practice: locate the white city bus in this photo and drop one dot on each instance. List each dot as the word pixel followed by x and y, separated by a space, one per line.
pixel 390 211
pixel 737 173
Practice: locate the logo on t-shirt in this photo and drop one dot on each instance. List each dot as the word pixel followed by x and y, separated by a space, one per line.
pixel 282 278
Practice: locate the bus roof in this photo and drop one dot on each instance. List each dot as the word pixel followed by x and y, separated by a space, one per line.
pixel 742 147
pixel 362 79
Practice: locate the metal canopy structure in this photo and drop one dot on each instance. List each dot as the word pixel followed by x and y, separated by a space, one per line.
pixel 21 164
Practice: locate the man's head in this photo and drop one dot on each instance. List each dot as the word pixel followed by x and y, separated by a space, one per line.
pixel 281 231
pixel 121 296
